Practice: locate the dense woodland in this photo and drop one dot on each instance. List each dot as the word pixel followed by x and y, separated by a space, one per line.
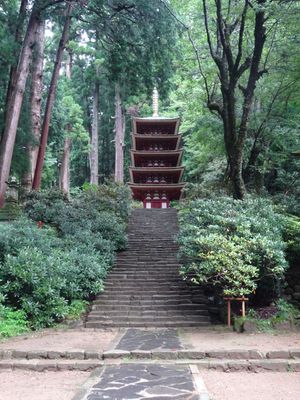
pixel 72 75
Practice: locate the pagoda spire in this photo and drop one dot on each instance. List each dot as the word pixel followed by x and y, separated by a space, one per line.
pixel 155 102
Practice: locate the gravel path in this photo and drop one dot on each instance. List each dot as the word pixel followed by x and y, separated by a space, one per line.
pixel 249 386
pixel 27 385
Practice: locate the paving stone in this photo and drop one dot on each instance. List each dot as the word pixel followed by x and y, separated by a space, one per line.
pixel 7 354
pixel 218 365
pixel 295 353
pixel 190 354
pixel 139 339
pixel 141 354
pixel 92 355
pixel 240 365
pixel 164 354
pixel 53 355
pixel 36 354
pixel 116 354
pixel 278 354
pixel 141 381
pixel 256 354
pixel 19 354
pixel 75 355
pixel 269 365
pixel 26 365
pixel 6 364
pixel 294 366
pixel 46 366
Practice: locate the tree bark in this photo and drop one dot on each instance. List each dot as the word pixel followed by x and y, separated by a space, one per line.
pixel 231 68
pixel 119 137
pixel 36 105
pixel 94 155
pixel 65 167
pixel 15 103
pixel 14 66
pixel 50 100
pixel 64 178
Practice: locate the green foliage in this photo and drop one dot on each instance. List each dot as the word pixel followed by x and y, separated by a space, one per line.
pixel 12 322
pixel 76 309
pixel 230 244
pixel 43 271
pixel 283 312
pixel 291 235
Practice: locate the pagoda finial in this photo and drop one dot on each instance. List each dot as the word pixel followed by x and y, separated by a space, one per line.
pixel 155 102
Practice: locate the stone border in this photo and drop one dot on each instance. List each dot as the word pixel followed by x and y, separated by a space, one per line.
pixel 226 365
pixel 233 354
pixel 199 383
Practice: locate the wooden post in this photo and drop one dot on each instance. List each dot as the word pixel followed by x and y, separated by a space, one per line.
pixel 243 307
pixel 229 312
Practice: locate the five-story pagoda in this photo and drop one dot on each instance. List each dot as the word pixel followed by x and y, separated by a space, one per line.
pixel 156 171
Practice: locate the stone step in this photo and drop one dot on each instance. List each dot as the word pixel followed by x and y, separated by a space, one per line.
pixel 147 313
pixel 152 307
pixel 148 319
pixel 151 302
pixel 152 324
pixel 151 292
pixel 155 296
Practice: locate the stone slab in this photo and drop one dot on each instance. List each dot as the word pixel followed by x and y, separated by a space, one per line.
pixel 142 381
pixel 156 339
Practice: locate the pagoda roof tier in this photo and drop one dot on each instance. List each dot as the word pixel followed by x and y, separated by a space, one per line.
pixel 174 173
pixel 167 126
pixel 144 140
pixel 172 190
pixel 172 156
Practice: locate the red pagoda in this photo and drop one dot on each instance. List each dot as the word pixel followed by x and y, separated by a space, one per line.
pixel 156 171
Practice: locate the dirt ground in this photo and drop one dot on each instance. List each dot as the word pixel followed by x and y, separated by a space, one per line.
pixel 62 340
pixel 250 386
pixel 222 339
pixel 27 385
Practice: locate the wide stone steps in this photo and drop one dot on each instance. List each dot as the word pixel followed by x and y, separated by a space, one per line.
pixel 146 324
pixel 144 288
pixel 152 307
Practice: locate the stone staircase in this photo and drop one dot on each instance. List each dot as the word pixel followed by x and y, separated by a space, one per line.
pixel 144 288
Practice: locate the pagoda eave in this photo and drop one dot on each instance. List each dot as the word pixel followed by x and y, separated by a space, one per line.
pixel 173 190
pixel 175 172
pixel 143 140
pixel 140 125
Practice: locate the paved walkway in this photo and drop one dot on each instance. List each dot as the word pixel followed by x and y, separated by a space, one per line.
pixel 142 381
pixel 149 364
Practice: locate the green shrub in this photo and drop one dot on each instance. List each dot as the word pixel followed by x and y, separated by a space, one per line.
pixel 231 244
pixel 101 210
pixel 291 235
pixel 43 271
pixel 12 322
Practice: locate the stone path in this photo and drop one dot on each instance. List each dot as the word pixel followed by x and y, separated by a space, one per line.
pixel 160 339
pixel 142 381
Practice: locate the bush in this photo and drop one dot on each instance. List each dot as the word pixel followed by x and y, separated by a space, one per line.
pixel 102 210
pixel 43 271
pixel 291 235
pixel 231 244
pixel 12 322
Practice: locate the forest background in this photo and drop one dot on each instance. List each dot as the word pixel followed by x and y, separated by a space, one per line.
pixel 91 71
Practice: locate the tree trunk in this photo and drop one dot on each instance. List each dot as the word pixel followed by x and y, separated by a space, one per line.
pixel 64 178
pixel 36 103
pixel 94 155
pixel 15 103
pixel 65 167
pixel 14 66
pixel 119 137
pixel 50 100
